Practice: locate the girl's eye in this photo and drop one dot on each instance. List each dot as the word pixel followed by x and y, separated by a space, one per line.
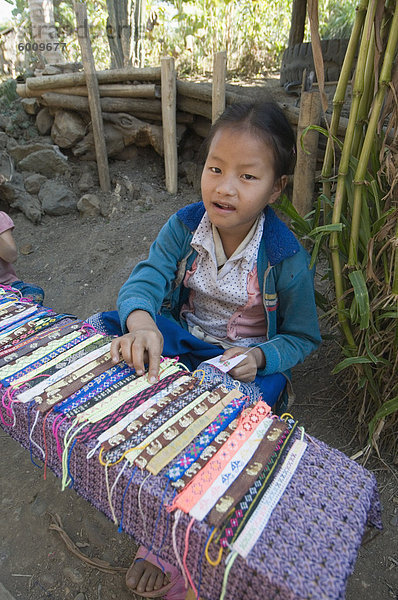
pixel 248 177
pixel 215 169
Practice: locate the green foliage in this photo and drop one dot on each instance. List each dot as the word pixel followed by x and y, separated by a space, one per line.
pixel 337 18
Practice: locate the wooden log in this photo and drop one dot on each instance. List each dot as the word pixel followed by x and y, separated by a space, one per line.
pixel 108 76
pixel 169 97
pixel 107 104
pixel 218 91
pixel 304 173
pixel 115 90
pixel 203 91
pixel 93 98
pixel 196 107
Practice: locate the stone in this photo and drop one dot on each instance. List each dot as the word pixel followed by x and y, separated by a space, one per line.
pixel 68 128
pixel 89 205
pixel 30 105
pixel 80 596
pixel 56 198
pixel 17 197
pixel 73 575
pixel 34 182
pixel 86 182
pixel 3 123
pixel 20 151
pixel 3 140
pixel 46 162
pixel 44 121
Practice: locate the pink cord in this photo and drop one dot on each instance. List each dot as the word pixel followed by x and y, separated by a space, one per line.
pixel 184 558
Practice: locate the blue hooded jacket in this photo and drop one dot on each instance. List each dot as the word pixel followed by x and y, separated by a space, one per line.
pixel 156 286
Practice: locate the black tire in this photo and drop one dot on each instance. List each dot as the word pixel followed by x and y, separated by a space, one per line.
pixel 299 57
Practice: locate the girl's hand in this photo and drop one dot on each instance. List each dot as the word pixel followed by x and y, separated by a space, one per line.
pixel 143 344
pixel 246 370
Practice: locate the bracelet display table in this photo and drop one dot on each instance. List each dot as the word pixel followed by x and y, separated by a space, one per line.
pixel 307 550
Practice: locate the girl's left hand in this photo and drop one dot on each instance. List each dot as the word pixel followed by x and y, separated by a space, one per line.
pixel 246 370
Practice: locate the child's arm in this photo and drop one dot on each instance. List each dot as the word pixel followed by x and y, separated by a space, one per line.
pixel 143 344
pixel 8 249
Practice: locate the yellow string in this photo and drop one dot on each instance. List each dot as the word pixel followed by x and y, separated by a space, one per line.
pixel 199 371
pixel 287 415
pixel 209 560
pixel 109 464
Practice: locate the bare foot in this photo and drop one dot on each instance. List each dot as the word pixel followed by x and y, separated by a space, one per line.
pixel 146 577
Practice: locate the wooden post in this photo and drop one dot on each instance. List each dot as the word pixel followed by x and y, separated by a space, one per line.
pixel 218 92
pixel 304 173
pixel 169 107
pixel 93 95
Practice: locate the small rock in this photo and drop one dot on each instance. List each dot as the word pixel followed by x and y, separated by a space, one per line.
pixel 47 162
pixel 21 151
pixel 86 182
pixel 17 197
pixel 38 506
pixel 394 521
pixel 80 596
pixel 44 121
pixel 3 140
pixel 73 575
pixel 56 198
pixel 89 205
pixel 30 105
pixel 3 123
pixel 34 182
pixel 26 249
pixel 47 580
pixel 68 129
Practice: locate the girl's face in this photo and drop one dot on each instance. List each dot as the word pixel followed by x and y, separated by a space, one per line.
pixel 238 181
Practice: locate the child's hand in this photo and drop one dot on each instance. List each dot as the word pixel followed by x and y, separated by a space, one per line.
pixel 143 344
pixel 246 370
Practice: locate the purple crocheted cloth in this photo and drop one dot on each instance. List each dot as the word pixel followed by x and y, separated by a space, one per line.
pixel 307 550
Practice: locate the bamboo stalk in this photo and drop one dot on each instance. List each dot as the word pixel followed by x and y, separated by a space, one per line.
pixel 343 170
pixel 111 90
pixel 359 179
pixel 339 96
pixel 366 100
pixel 108 76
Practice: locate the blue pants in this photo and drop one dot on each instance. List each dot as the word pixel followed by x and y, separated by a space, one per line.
pixel 192 352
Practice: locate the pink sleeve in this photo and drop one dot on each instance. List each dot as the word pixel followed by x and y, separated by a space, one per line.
pixel 5 222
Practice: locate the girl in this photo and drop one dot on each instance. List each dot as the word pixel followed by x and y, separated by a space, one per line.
pixel 224 276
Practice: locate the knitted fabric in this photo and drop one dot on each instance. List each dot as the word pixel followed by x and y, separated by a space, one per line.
pixel 310 543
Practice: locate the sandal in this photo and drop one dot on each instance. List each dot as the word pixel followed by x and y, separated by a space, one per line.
pixel 174 590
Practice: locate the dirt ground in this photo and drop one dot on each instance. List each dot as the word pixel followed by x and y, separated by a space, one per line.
pixel 81 264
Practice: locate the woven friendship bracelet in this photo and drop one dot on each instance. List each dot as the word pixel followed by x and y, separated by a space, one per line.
pixel 38 357
pixel 261 515
pixel 26 311
pixel 248 476
pixel 116 399
pixel 66 387
pixel 122 426
pixel 52 359
pixel 51 375
pixel 203 441
pixel 24 347
pixel 6 332
pixel 12 311
pixel 178 425
pixel 186 499
pixel 42 322
pixel 95 429
pixel 245 507
pixel 148 410
pixel 143 429
pixel 165 456
pixel 98 389
pixel 206 455
pixel 230 472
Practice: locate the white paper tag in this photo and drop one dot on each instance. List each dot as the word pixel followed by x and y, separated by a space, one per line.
pixel 225 365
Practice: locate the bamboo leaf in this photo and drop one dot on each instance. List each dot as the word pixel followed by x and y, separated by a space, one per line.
pixel 362 297
pixel 326 229
pixel 388 408
pixel 349 362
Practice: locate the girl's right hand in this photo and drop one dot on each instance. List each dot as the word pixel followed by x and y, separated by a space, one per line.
pixel 143 344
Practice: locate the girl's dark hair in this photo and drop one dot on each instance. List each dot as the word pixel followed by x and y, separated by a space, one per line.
pixel 267 121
